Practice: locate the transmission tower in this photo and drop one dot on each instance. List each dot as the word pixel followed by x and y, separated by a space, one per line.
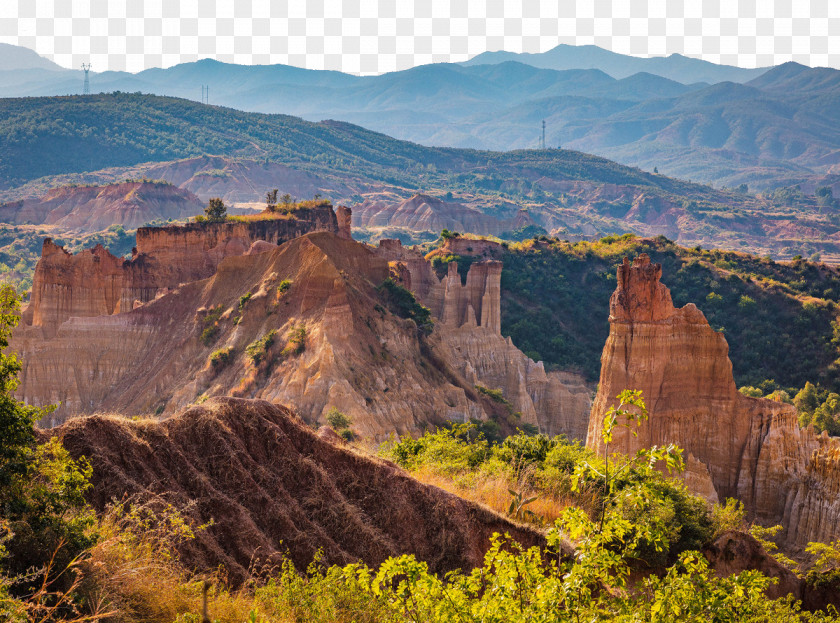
pixel 86 69
pixel 542 138
pixel 205 93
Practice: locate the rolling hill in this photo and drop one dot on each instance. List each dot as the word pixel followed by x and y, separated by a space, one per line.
pixel 686 117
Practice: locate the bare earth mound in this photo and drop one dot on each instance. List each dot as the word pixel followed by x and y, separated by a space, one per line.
pixel 272 485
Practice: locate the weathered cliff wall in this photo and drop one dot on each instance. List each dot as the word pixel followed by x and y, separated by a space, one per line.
pixel 93 208
pixel 753 449
pixel 89 354
pixel 469 323
pixel 95 283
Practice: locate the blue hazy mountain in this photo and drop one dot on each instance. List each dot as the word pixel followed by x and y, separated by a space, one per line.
pixel 674 67
pixel 778 128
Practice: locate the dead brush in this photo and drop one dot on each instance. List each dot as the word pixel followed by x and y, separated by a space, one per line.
pixel 47 603
pixel 135 574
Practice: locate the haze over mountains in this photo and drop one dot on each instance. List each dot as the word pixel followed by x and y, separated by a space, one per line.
pixel 686 117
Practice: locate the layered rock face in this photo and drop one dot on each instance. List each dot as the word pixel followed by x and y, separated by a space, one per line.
pixel 426 213
pixel 748 448
pixel 93 208
pixel 96 283
pixel 469 323
pixel 331 343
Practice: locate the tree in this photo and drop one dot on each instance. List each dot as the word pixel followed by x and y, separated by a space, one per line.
pixel 271 200
pixel 44 521
pixel 216 210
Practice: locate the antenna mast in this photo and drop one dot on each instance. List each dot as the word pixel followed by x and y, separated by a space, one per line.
pixel 86 69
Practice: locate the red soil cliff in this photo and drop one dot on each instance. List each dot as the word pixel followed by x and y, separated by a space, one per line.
pixel 750 448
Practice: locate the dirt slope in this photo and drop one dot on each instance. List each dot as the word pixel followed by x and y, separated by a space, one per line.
pixel 271 484
pixel 93 208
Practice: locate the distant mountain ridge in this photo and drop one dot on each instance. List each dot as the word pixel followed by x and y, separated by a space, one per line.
pixel 674 66
pixel 686 117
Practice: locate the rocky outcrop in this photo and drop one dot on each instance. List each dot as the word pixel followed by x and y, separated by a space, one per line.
pixel 344 216
pixel 94 208
pixel 89 353
pixel 426 213
pixel 469 323
pixel 96 283
pixel 752 449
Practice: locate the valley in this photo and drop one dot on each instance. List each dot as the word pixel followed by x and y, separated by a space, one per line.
pixel 296 370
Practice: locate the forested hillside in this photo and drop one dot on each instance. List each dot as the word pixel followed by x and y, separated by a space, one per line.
pixel 50 136
pixel 780 319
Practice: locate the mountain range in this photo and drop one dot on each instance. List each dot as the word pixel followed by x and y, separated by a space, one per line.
pixel 685 117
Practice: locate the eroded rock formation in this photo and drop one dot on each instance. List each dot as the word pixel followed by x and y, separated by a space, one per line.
pixel 95 283
pixel 469 317
pixel 425 213
pixel 84 346
pixel 748 448
pixel 93 208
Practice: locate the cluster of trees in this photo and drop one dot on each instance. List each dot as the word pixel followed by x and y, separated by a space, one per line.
pixel 555 297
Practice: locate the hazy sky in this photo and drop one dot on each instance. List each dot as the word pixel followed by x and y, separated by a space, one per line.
pixel 370 36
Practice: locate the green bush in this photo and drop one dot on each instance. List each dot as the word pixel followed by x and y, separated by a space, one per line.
pixel 728 516
pixel 220 358
pixel 283 286
pixel 337 420
pixel 44 521
pixel 402 303
pixel 257 349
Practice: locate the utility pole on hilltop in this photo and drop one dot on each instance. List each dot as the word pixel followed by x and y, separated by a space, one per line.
pixel 86 69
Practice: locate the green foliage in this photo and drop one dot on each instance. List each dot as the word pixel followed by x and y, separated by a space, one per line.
pixel 765 536
pixel 257 349
pixel 283 287
pixel 728 516
pixel 518 502
pixel 297 341
pixel 554 297
pixel 495 395
pixel 818 407
pixel 402 303
pixel 243 301
pixel 210 325
pixel 42 507
pixel 523 233
pixel 825 570
pixel 216 211
pixel 337 420
pixel 220 358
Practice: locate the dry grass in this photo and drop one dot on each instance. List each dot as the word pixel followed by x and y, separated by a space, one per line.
pixel 133 574
pixel 493 492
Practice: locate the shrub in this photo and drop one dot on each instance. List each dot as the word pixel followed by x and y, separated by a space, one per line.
pixel 243 300
pixel 210 325
pixel 297 341
pixel 283 287
pixel 257 349
pixel 495 395
pixel 402 303
pixel 216 210
pixel 337 420
pixel 729 516
pixel 220 358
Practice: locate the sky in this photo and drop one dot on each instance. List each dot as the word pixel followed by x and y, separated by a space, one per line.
pixel 375 36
